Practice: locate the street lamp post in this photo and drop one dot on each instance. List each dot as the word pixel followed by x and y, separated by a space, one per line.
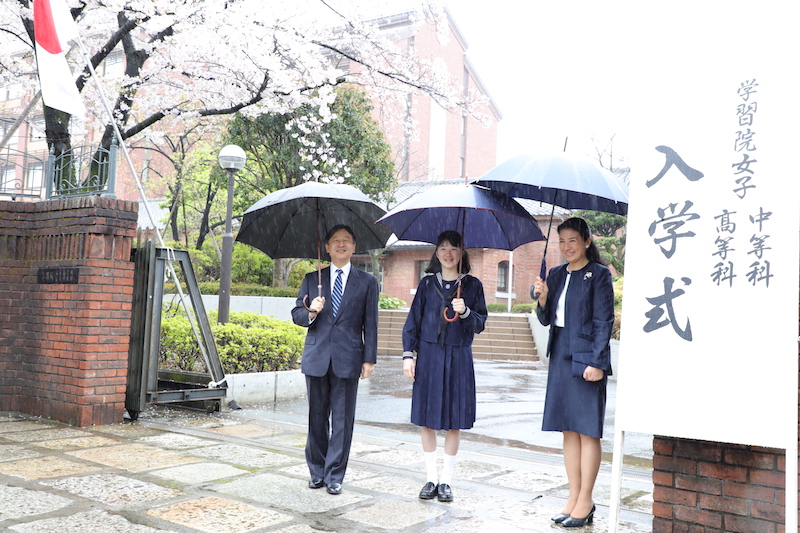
pixel 231 158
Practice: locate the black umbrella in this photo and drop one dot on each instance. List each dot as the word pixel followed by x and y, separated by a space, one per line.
pixel 291 222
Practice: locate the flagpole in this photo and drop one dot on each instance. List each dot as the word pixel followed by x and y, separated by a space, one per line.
pixel 120 141
pixel 159 238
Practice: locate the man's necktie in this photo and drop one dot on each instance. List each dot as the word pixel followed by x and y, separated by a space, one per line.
pixel 336 295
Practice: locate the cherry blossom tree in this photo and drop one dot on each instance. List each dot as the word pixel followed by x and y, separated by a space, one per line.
pixel 186 60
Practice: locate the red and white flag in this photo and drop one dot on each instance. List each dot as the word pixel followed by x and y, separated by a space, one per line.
pixel 53 27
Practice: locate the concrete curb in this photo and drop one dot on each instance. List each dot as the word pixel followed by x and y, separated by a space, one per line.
pixel 258 387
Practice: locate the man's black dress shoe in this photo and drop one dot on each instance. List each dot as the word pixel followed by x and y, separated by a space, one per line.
pixel 559 518
pixel 334 488
pixel 316 483
pixel 579 522
pixel 428 491
pixel 444 492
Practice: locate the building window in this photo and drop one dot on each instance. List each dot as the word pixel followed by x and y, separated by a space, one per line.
pixel 36 128
pixel 114 65
pixel 502 276
pixel 5 126
pixel 35 174
pixel 421 266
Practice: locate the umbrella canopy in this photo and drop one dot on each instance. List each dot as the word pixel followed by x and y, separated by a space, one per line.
pixel 291 222
pixel 560 179
pixel 484 218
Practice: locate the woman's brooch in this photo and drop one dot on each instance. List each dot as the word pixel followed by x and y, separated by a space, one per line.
pixel 587 276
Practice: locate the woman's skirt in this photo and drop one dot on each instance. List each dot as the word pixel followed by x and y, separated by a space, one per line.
pixel 444 387
pixel 571 403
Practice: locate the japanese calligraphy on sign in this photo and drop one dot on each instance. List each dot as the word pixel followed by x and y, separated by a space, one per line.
pixel 741 250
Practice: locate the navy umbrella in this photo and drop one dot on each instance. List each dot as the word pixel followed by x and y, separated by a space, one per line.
pixel 484 218
pixel 291 222
pixel 560 180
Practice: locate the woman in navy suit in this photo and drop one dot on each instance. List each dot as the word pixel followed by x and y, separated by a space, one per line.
pixel 577 302
pixel 443 397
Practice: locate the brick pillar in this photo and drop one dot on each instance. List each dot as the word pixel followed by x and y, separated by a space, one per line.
pixel 64 339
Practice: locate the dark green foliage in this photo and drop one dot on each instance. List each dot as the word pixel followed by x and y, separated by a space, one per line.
pixel 522 308
pixel 497 307
pixel 249 342
pixel 609 232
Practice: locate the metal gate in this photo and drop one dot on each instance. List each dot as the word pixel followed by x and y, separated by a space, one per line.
pixel 147 384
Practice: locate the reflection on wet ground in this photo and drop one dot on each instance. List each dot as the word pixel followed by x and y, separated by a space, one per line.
pixel 509 413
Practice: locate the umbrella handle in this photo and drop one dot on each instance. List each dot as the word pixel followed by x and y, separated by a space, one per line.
pixel 455 315
pixel 305 298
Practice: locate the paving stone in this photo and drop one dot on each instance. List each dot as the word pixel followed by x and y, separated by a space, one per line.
pixel 466 469
pixel 44 434
pixel 393 457
pixel 248 431
pixel 476 525
pixel 394 514
pixel 198 473
pixel 297 528
pixel 528 516
pixel 22 425
pixel 219 515
pixel 130 430
pixel 13 452
pixel 400 486
pixel 99 521
pixel 120 456
pixel 17 502
pixel 354 473
pixel 470 500
pixel 44 467
pixel 77 443
pixel 176 441
pixel 358 447
pixel 287 493
pixel 293 440
pixel 113 489
pixel 244 456
pixel 528 480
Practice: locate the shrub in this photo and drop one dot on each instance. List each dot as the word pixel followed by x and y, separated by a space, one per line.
pixel 618 283
pixel 249 342
pixel 387 302
pixel 522 308
pixel 497 308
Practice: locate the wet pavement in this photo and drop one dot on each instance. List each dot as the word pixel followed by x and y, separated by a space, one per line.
pixel 244 471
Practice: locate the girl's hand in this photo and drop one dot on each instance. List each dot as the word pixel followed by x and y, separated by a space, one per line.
pixel 459 306
pixel 409 368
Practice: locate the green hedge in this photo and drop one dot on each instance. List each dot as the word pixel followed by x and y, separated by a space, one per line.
pixel 249 342
pixel 238 289
pixel 387 302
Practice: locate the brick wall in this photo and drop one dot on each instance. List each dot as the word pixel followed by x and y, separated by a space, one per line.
pixel 64 346
pixel 704 487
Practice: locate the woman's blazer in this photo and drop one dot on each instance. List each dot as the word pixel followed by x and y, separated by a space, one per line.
pixel 589 310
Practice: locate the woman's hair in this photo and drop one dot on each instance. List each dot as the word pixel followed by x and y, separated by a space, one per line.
pixel 580 225
pixel 455 240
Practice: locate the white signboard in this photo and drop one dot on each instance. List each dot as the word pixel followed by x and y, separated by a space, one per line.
pixel 708 345
pixel 709 331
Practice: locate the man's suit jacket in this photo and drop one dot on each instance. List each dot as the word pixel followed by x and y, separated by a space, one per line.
pixel 347 340
pixel 590 312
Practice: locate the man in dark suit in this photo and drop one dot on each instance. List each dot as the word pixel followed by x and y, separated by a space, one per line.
pixel 341 346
